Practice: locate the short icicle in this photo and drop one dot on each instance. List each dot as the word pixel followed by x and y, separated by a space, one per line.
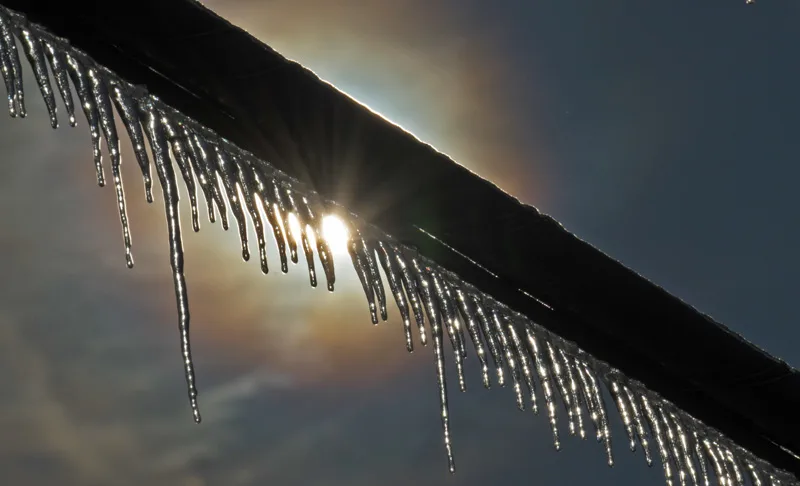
pixel 488 334
pixel 181 155
pixel 15 66
pixel 394 279
pixel 639 420
pixel 544 378
pixel 58 64
pixel 101 100
pixel 126 107
pixel 200 175
pixel 166 176
pixel 246 182
pixel 354 250
pixel 601 408
pixel 302 219
pixel 498 321
pixel 561 385
pixel 83 87
pixel 283 210
pixel 206 160
pixel 8 72
pixel 447 311
pixel 468 316
pixel 622 408
pixel 35 54
pixel 263 194
pixel 524 362
pixel 313 211
pixel 655 427
pixel 410 287
pixel 588 397
pixel 368 255
pixel 572 388
pixel 672 442
pixel 226 167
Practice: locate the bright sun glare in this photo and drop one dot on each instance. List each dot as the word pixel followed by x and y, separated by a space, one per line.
pixel 335 233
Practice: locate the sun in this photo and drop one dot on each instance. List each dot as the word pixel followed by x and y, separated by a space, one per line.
pixel 336 234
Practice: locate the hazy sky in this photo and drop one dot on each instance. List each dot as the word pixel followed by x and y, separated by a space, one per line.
pixel 663 132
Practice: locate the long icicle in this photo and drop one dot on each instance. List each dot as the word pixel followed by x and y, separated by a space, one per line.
pixel 169 189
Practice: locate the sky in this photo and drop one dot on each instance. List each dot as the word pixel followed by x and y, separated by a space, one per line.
pixel 662 132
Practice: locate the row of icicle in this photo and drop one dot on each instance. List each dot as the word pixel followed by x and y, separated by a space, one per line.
pixel 436 302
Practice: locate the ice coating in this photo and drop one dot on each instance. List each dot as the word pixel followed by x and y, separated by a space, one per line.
pixel 690 451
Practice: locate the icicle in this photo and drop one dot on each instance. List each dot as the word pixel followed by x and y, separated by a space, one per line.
pixel 180 154
pixel 355 252
pixel 686 450
pixel 199 169
pixel 263 194
pixel 672 442
pixel 511 361
pixel 638 419
pixel 423 286
pixel 411 289
pixel 303 224
pixel 8 74
pixel 246 183
pixel 101 101
pixel 700 456
pixel 227 170
pixel 544 379
pixel 601 408
pixel 589 399
pixel 572 387
pixel 723 461
pixel 525 365
pixel 447 311
pixel 737 471
pixel 655 427
pixel 622 408
pixel 755 478
pixel 130 119
pixel 58 66
pixel 489 334
pixel 561 385
pixel 291 238
pixel 35 54
pixel 468 315
pixel 394 280
pixel 82 85
pixel 312 210
pixel 206 160
pixel 438 350
pixel 368 257
pixel 10 52
pixel 169 189
pixel 455 323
